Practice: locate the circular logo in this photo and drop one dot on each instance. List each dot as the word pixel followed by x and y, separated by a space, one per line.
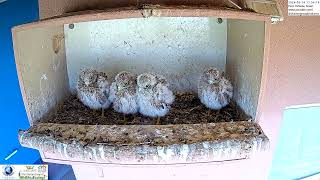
pixel 7 170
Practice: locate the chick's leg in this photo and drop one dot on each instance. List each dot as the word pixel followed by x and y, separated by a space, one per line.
pixel 58 106
pixel 124 119
pixel 102 112
pixel 208 114
pixel 158 120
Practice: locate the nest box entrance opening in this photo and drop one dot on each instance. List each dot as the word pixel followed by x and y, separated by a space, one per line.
pixel 180 48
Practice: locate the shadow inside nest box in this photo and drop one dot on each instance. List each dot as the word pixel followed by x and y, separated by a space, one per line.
pixel 187 109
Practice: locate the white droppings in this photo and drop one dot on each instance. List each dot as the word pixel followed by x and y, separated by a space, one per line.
pixel 65 151
pixel 89 154
pixel 161 153
pixel 205 145
pixel 231 151
pixel 94 153
pixel 59 149
pixel 101 150
pixel 165 153
pixel 227 150
pixel 184 152
pixel 169 154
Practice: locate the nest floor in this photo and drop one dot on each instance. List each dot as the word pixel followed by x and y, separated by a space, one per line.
pixel 187 109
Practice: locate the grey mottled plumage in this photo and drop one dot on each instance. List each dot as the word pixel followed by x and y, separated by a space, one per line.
pixel 154 95
pixel 214 89
pixel 93 89
pixel 123 93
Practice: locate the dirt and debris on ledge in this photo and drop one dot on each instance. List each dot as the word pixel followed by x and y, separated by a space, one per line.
pixel 187 109
pixel 147 144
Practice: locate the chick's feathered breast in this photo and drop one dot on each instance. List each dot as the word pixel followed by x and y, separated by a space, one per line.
pixel 214 90
pixel 123 93
pixel 154 95
pixel 93 89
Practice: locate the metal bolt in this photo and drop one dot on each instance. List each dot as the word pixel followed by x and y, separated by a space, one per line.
pixel 219 20
pixel 71 26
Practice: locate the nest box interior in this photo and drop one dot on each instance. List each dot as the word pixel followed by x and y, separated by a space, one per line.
pixel 179 44
pixel 180 48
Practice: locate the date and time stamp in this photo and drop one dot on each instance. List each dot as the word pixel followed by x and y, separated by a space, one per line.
pixel 303 7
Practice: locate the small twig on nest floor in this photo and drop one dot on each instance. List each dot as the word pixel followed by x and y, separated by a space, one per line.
pixel 175 120
pixel 194 108
pixel 215 118
pixel 227 113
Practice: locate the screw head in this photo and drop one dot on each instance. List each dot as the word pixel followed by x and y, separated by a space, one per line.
pixel 219 20
pixel 71 26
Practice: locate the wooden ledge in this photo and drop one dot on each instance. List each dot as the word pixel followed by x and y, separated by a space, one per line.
pixel 145 12
pixel 146 144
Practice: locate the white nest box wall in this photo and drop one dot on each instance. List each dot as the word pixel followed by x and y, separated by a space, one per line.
pixel 42 70
pixel 245 55
pixel 178 47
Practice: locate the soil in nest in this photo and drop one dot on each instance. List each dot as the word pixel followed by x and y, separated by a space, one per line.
pixel 187 109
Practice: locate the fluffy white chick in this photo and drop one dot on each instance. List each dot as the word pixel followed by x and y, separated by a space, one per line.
pixel 154 95
pixel 214 89
pixel 93 89
pixel 123 93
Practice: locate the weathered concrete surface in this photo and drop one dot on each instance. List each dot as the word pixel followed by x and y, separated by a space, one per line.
pixel 146 144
